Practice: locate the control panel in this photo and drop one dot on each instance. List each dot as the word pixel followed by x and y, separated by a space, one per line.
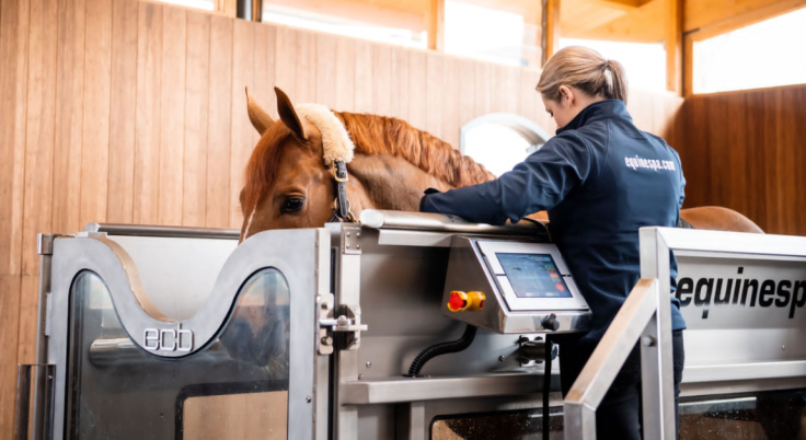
pixel 512 287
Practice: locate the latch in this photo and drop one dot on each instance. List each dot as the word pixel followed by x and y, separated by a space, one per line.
pixel 339 326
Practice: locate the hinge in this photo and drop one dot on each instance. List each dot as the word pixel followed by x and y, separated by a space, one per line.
pixel 350 239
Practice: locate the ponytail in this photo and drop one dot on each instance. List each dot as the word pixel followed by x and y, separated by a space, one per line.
pixel 584 69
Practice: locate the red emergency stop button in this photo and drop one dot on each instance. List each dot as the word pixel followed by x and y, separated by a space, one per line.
pixel 457 301
pixel 470 301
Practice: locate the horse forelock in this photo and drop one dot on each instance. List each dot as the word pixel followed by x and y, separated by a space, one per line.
pixel 373 135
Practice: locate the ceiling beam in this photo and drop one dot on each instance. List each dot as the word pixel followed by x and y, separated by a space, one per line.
pixel 550 36
pixel 673 43
pixel 626 5
pixel 436 25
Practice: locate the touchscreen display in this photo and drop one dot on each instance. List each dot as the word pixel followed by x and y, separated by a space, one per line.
pixel 533 275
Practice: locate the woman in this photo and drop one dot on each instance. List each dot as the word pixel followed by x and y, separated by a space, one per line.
pixel 600 179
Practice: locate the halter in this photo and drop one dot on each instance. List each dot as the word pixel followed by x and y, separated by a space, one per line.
pixel 341 205
pixel 337 153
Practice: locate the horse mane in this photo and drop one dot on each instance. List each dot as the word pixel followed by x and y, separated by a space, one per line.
pixel 372 135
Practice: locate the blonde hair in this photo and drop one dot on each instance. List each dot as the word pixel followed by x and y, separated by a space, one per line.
pixel 585 69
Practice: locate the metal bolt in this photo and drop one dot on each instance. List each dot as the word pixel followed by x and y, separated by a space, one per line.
pixel 648 341
pixel 324 306
pixel 342 320
pixel 501 358
pixel 348 246
pixel 357 235
pixel 308 399
pixel 358 246
pixel 327 340
pixel 348 234
pixel 369 364
pixel 783 347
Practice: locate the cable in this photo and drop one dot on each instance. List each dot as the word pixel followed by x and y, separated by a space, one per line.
pixel 442 348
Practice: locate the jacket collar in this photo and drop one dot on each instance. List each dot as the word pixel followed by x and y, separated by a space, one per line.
pixel 611 108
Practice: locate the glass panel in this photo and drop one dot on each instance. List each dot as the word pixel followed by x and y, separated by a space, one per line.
pixel 766 54
pixel 644 63
pixel 773 416
pixel 235 388
pixel 497 147
pixel 521 425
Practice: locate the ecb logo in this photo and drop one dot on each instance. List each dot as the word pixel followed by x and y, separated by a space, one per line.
pixel 168 339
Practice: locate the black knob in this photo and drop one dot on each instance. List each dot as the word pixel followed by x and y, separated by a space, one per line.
pixel 550 323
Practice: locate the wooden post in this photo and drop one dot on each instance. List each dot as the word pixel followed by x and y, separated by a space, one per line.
pixel 674 46
pixel 550 35
pixel 436 25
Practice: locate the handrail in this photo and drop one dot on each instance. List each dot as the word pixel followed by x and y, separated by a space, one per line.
pixel 601 369
pixel 162 231
pixel 420 221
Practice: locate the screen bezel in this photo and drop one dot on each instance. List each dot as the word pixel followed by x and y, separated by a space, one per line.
pixel 488 250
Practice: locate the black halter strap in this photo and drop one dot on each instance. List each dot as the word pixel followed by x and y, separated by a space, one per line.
pixel 341 206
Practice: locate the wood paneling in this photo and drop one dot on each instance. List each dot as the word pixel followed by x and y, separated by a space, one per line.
pixel 743 150
pixel 197 74
pixel 134 112
pixel 95 130
pixel 123 115
pixel 147 125
pixel 172 119
pixel 9 332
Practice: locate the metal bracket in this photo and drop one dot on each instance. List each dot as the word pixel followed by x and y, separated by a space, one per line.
pixel 350 239
pixel 342 331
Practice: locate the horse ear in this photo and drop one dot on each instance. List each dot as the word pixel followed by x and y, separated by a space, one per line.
pixel 288 115
pixel 260 119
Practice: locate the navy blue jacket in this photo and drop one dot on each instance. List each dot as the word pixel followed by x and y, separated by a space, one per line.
pixel 600 179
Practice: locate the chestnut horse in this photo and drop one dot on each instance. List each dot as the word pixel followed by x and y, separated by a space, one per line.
pixel 287 184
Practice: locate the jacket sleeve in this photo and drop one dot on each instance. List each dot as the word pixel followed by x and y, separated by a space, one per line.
pixel 682 182
pixel 538 183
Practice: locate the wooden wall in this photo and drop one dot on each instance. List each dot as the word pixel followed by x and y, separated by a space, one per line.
pixel 134 112
pixel 745 151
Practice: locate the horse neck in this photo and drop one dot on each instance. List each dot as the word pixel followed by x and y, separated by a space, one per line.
pixel 395 163
pixel 389 182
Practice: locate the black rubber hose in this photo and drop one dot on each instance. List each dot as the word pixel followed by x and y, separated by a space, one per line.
pixel 442 348
pixel 547 388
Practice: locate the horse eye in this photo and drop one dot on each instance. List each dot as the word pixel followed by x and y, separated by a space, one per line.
pixel 293 204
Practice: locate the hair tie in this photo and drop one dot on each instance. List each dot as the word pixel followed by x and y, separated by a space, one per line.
pixel 608 74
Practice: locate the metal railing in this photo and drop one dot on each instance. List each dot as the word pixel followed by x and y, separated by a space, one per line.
pixel 646 317
pixel 635 320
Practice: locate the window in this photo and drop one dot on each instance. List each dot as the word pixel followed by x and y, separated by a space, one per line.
pixel 645 63
pixel 349 26
pixel 489 34
pixel 765 54
pixel 499 141
pixel 207 5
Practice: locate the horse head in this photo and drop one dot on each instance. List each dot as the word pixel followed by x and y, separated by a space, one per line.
pixel 289 180
pixel 287 184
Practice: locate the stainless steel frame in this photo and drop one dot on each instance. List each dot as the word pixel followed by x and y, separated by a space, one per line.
pixel 306 271
pixel 389 274
pixel 647 314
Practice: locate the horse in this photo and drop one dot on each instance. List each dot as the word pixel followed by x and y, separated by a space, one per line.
pixel 288 185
